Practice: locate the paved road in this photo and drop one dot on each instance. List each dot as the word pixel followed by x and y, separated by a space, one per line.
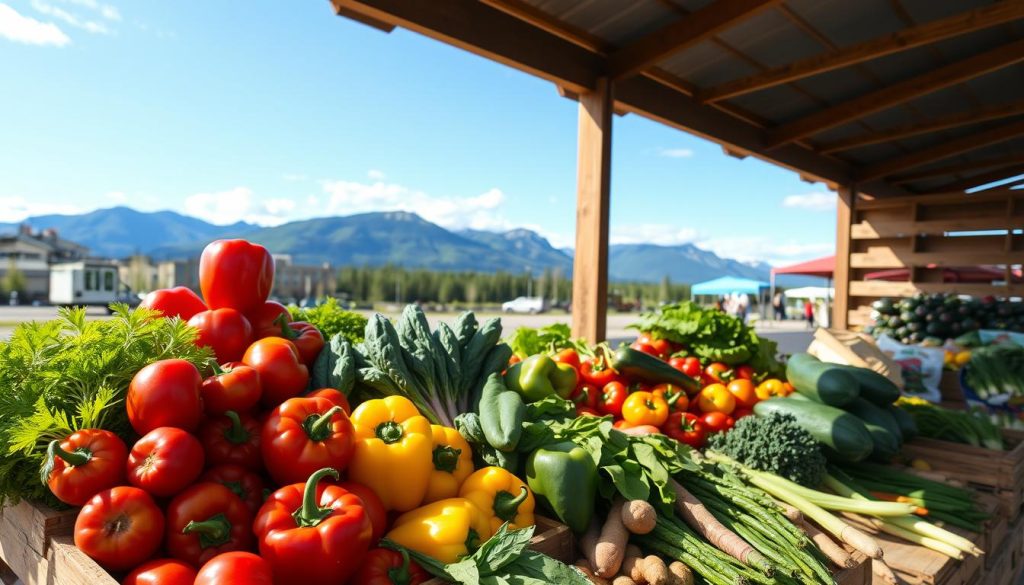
pixel 792 336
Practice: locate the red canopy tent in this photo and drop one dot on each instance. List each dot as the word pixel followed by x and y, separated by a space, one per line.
pixel 822 267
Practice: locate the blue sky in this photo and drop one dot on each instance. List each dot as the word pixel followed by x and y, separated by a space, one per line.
pixel 272 111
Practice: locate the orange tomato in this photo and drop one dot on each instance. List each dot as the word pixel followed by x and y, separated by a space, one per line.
pixel 770 388
pixel 674 395
pixel 787 389
pixel 645 408
pixel 743 391
pixel 716 398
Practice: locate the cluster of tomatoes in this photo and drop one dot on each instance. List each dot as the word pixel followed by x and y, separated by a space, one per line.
pixel 720 396
pixel 196 491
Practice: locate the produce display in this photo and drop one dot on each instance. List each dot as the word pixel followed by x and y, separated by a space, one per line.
pixel 968 427
pixel 213 438
pixel 936 317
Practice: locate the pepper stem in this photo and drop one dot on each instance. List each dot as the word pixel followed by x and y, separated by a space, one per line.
pixel 217 370
pixel 506 505
pixel 318 426
pixel 286 331
pixel 390 432
pixel 213 531
pixel 400 575
pixel 472 540
pixel 311 514
pixel 73 458
pixel 446 458
pixel 236 433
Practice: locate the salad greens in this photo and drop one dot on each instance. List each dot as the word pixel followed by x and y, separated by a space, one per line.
pixel 332 320
pixel 67 374
pixel 527 341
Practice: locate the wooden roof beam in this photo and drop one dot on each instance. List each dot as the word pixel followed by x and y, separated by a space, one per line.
pixel 944 123
pixel 979 180
pixel 917 36
pixel 942 151
pixel 946 170
pixel 689 30
pixel 898 93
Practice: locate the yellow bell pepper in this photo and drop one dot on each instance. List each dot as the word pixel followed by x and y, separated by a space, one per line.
pixel 453 462
pixel 502 496
pixel 445 530
pixel 393 451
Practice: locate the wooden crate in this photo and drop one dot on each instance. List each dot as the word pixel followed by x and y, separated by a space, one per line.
pixel 999 473
pixel 917 565
pixel 26 532
pixel 1006 565
pixel 856 575
pixel 551 538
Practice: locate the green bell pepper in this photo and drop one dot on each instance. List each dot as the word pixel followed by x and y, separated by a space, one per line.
pixel 539 376
pixel 563 476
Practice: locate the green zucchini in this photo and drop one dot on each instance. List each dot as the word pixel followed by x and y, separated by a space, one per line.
pixel 874 387
pixel 885 432
pixel 637 365
pixel 843 437
pixel 908 427
pixel 829 384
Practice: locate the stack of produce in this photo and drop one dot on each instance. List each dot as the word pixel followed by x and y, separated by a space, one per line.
pixel 225 449
pixel 971 427
pixel 931 319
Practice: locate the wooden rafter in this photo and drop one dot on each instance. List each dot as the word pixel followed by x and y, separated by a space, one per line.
pixel 953 169
pixel 943 150
pixel 544 21
pixel 943 123
pixel 899 93
pixel 979 180
pixel 685 32
pixel 917 36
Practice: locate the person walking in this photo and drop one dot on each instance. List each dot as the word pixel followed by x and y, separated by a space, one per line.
pixel 809 313
pixel 778 307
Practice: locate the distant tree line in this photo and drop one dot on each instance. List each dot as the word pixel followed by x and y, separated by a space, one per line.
pixel 403 285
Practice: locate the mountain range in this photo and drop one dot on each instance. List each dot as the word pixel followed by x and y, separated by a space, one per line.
pixel 377 238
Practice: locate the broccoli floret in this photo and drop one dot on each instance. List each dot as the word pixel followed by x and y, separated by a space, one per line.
pixel 776 444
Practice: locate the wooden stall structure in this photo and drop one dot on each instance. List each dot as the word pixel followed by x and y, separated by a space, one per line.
pixel 899 105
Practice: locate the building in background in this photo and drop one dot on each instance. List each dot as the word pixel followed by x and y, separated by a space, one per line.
pixel 295 282
pixel 171 273
pixel 30 254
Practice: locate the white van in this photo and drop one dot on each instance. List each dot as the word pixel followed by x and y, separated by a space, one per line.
pixel 530 305
pixel 88 282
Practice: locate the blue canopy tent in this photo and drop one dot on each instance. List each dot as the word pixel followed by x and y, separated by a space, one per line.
pixel 727 285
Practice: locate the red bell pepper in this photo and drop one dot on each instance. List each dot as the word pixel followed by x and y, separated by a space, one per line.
pixel 373 505
pixel 233 386
pixel 282 373
pixel 306 337
pixel 235 274
pixel 303 435
pixel 313 534
pixel 205 520
pixel 384 566
pixel 334 395
pixel 242 482
pixel 232 438
pixel 119 528
pixel 586 395
pixel 264 319
pixel 179 301
pixel 226 331
pixel 568 356
pixel 598 371
pixel 674 396
pixel 235 568
pixel 686 428
pixel 87 462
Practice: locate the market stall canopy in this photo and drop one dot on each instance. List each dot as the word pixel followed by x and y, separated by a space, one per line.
pixel 810 292
pixel 728 285
pixel 822 267
pixel 970 274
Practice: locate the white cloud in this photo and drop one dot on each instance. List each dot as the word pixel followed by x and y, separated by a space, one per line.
pixel 376 175
pixel 770 249
pixel 23 29
pixel 813 201
pixel 105 10
pixel 16 208
pixel 60 14
pixel 279 206
pixel 676 152
pixel 651 233
pixel 238 204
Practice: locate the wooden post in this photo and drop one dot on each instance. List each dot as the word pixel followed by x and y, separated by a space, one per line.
pixel 593 176
pixel 844 219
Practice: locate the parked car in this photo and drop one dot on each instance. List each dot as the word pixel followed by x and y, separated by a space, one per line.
pixel 530 305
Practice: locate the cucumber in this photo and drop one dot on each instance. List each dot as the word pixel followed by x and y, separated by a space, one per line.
pixel 874 387
pixel 885 432
pixel 843 437
pixel 908 427
pixel 829 384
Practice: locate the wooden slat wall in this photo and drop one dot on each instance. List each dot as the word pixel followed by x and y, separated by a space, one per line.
pixel 920 234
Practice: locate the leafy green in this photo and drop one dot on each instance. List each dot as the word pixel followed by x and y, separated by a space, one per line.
pixel 527 341
pixel 332 320
pixel 335 367
pixel 502 560
pixel 776 444
pixel 711 335
pixel 69 373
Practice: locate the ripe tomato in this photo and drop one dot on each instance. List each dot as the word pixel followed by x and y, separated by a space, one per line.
pixel 236 568
pixel 717 422
pixel 165 394
pixel 232 438
pixel 770 388
pixel 673 395
pixel 244 483
pixel 235 274
pixel 226 331
pixel 334 395
pixel 715 373
pixel 686 428
pixel 119 528
pixel 282 373
pixel 165 461
pixel 598 371
pixel 662 347
pixel 307 339
pixel 233 386
pixel 384 566
pixel 586 395
pixel 613 396
pixel 716 398
pixel 161 572
pixel 742 390
pixel 179 301
pixel 568 356
pixel 646 348
pixel 205 520
pixel 745 372
pixel 741 412
pixel 264 320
